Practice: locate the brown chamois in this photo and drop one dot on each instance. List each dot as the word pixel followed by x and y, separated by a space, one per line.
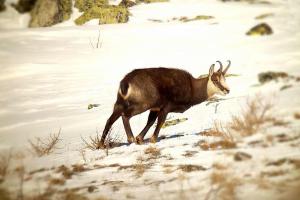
pixel 162 90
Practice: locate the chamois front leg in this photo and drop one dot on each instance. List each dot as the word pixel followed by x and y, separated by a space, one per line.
pixel 151 119
pixel 162 116
pixel 114 116
pixel 130 137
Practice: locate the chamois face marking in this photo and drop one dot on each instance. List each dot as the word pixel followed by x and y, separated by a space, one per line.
pixel 216 81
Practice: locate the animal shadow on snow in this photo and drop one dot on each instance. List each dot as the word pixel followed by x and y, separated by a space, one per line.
pixel 163 137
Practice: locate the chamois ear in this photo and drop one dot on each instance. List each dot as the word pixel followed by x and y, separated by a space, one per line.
pixel 211 70
pixel 225 70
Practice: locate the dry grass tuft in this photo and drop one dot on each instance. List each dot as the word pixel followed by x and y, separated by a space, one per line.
pixel 5 158
pixel 273 173
pixel 153 152
pixel 227 140
pixel 57 181
pixel 38 171
pixel 253 116
pixel 219 166
pixel 141 166
pixel 78 168
pixel 191 168
pixel 222 144
pixel 189 154
pixel 297 115
pixel 65 171
pixel 223 186
pixel 295 162
pixel 94 143
pixel 41 147
pixel 168 169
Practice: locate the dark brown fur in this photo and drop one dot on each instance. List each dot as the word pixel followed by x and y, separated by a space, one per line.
pixel 163 90
pixel 160 90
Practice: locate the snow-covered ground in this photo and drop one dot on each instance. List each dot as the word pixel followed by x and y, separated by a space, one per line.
pixel 50 75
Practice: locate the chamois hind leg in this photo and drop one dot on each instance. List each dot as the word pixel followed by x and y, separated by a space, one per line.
pixel 114 116
pixel 130 137
pixel 162 116
pixel 151 119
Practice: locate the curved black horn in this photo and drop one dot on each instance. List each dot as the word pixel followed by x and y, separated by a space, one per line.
pixel 211 70
pixel 229 63
pixel 221 66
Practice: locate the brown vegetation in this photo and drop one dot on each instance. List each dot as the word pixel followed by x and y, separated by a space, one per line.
pixel 218 130
pixel 191 168
pixel 140 167
pixel 5 158
pixel 65 171
pixel 45 146
pixel 222 144
pixel 297 115
pixel 189 153
pixel 253 116
pixel 223 186
pixel 153 152
pixel 94 143
pixel 57 181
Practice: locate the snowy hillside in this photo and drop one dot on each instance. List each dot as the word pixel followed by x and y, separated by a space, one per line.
pixel 49 76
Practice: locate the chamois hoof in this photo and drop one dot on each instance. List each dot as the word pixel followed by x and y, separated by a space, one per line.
pixel 153 139
pixel 139 140
pixel 131 140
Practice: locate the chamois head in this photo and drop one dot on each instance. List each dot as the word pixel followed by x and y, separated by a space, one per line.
pixel 216 80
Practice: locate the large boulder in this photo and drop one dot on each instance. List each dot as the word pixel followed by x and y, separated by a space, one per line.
pixel 2 5
pixel 106 14
pixel 24 6
pixel 49 12
pixel 150 1
pixel 260 29
pixel 85 5
pixel 127 3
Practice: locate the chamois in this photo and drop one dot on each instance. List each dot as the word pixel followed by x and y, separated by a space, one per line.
pixel 162 90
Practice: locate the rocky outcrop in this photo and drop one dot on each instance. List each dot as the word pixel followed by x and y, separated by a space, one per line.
pixel 49 12
pixel 85 5
pixel 106 15
pixel 127 3
pixel 150 1
pixel 2 5
pixel 260 29
pixel 24 6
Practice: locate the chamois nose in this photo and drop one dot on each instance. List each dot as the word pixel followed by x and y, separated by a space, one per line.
pixel 226 91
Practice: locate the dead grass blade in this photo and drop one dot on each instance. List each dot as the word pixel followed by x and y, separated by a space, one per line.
pixel 94 143
pixel 5 158
pixel 256 112
pixel 227 141
pixel 45 146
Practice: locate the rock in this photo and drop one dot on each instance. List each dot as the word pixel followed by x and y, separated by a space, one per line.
pixel 265 77
pixel 49 12
pixel 85 5
pixel 150 1
pixel 2 5
pixel 127 3
pixel 241 156
pixel 260 29
pixel 106 14
pixel 24 6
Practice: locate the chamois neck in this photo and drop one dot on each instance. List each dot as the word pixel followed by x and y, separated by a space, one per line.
pixel 199 90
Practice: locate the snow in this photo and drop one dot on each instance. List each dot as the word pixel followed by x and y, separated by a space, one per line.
pixel 50 75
